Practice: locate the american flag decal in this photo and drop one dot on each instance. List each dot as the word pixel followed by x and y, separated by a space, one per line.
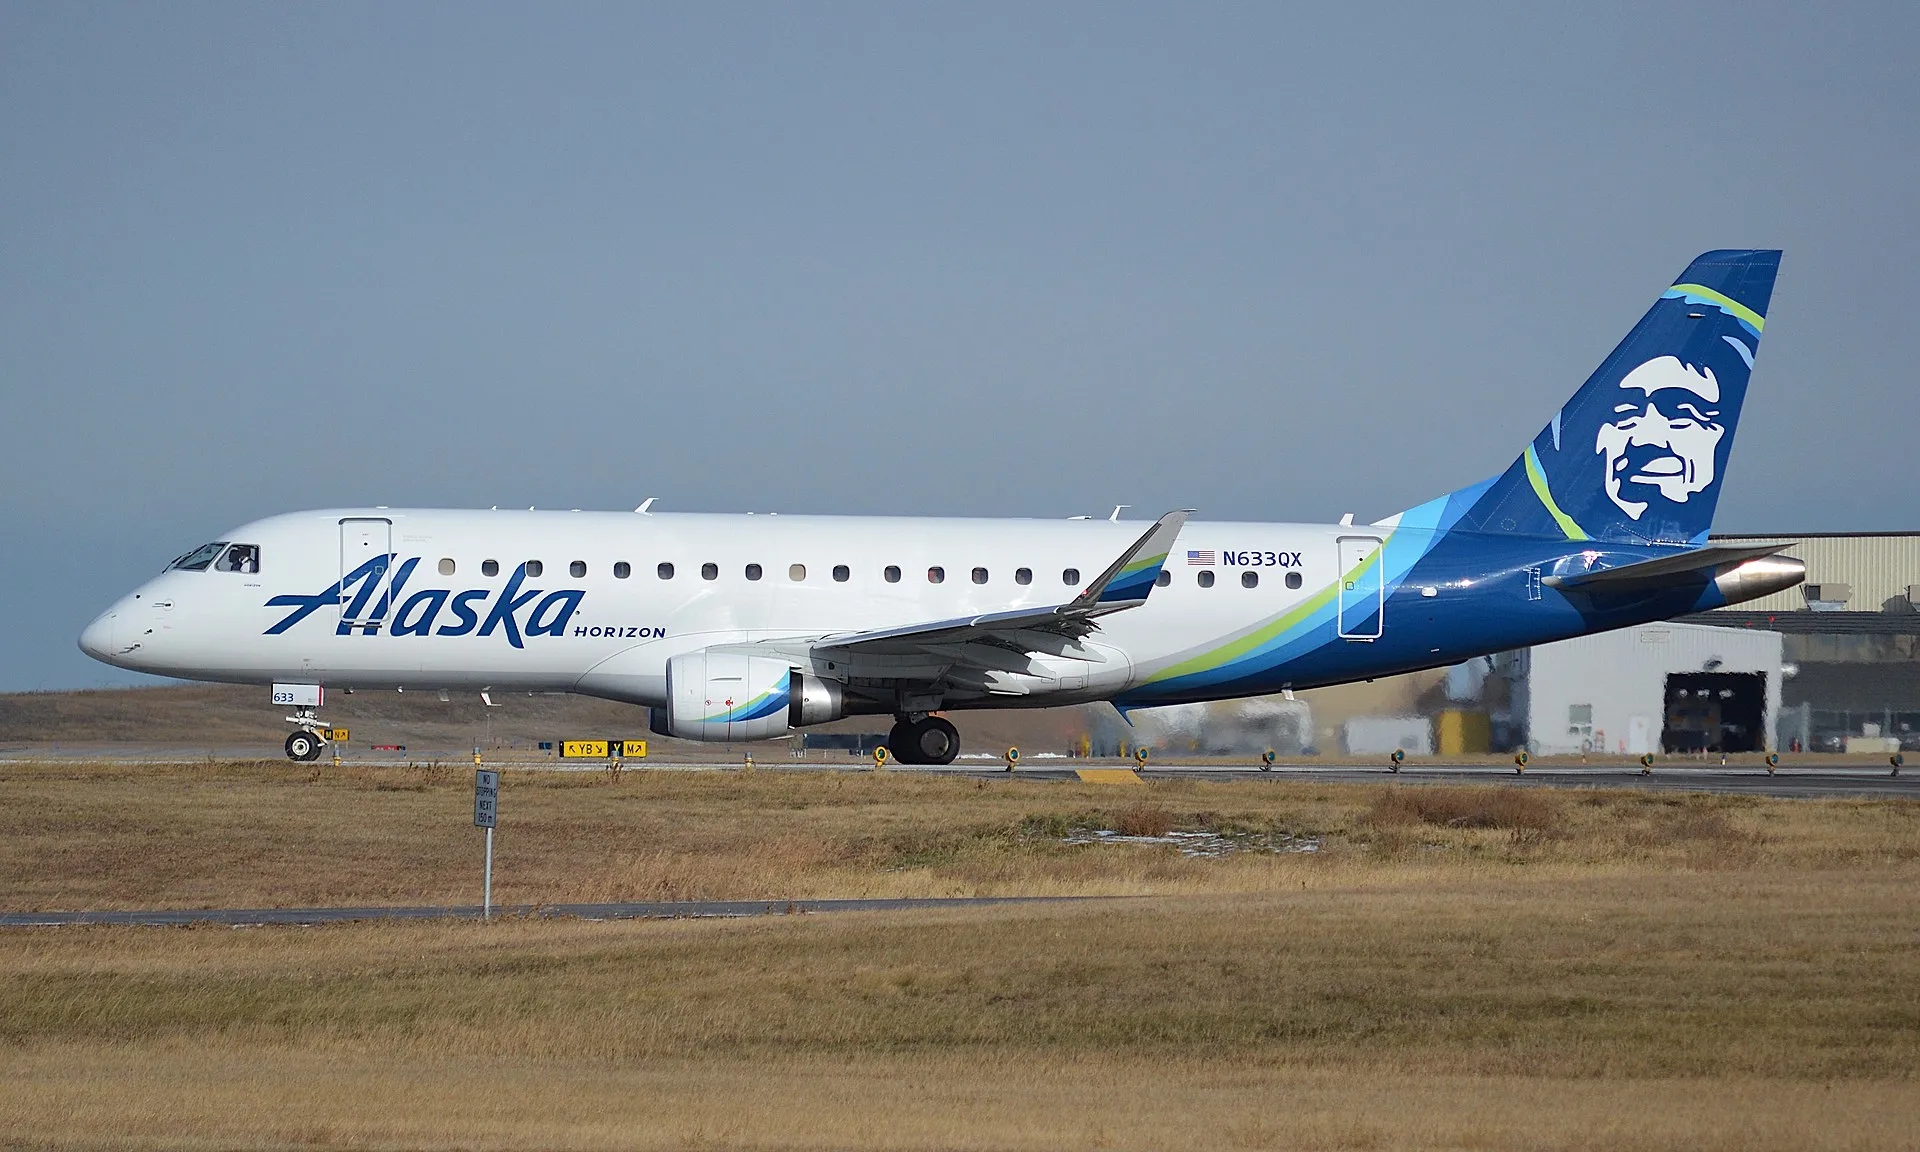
pixel 1205 559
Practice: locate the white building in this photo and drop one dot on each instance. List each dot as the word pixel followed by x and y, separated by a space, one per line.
pixel 1655 688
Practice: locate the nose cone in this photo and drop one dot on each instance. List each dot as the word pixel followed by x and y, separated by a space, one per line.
pixel 97 640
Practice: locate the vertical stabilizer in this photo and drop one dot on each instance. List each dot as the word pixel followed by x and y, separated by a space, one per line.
pixel 1639 453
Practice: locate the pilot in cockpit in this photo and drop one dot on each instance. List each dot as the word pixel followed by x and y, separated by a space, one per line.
pixel 241 558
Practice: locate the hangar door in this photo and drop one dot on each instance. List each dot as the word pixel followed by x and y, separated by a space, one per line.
pixel 1715 712
pixel 363 539
pixel 1362 588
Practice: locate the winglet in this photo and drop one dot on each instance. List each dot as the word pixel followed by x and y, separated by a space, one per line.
pixel 1130 578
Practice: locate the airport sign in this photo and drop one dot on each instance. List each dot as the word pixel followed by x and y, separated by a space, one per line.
pixel 486 797
pixel 602 749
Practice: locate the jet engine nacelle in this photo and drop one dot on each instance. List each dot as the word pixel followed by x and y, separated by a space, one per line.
pixel 718 696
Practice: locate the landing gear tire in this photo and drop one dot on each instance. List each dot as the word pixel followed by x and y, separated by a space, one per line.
pixel 303 746
pixel 900 743
pixel 934 741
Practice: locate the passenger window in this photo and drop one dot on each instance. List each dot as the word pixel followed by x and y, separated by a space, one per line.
pixel 1293 579
pixel 577 569
pixel 1165 578
pixel 893 573
pixel 841 573
pixel 446 566
pixel 753 571
pixel 1071 577
pixel 239 558
pixel 796 572
pixel 936 575
pixel 1205 578
pixel 1023 575
pixel 1249 579
pixel 622 570
pixel 198 559
pixel 665 570
pixel 489 567
pixel 979 575
pixel 534 568
pixel 709 571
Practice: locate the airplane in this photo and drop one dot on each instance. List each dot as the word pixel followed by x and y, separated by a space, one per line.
pixel 746 627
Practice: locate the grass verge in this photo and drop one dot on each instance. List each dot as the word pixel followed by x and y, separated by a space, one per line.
pixel 247 835
pixel 1455 968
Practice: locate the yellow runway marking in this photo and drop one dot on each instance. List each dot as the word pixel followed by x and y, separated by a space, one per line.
pixel 1108 775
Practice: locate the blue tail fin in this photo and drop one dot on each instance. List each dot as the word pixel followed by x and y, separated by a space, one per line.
pixel 1638 454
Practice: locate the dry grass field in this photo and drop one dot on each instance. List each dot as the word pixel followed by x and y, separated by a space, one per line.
pixel 1448 968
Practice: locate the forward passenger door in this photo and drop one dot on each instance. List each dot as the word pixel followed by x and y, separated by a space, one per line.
pixel 363 539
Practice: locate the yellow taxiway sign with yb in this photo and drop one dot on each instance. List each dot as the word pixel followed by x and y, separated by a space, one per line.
pixel 603 749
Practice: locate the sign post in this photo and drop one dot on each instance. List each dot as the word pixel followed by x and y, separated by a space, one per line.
pixel 486 808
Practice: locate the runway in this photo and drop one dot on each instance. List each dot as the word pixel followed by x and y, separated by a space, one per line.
pixel 1818 777
pixel 1786 782
pixel 643 910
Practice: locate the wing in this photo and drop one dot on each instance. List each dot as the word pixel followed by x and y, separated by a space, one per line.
pixel 1016 652
pixel 1125 584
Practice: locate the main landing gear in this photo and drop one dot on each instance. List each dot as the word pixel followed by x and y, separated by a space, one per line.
pixel 928 740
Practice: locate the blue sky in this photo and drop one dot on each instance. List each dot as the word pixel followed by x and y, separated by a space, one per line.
pixel 1267 261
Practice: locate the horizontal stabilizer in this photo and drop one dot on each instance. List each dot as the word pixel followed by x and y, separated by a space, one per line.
pixel 1691 566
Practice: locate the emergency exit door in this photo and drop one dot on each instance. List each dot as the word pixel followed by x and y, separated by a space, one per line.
pixel 363 541
pixel 1362 599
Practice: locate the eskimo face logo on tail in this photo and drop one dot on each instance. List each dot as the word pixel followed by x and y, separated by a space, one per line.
pixel 470 612
pixel 1660 443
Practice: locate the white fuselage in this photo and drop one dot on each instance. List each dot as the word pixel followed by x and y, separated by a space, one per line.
pixel 816 576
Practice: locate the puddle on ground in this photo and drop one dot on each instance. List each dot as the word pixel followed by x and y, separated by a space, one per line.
pixel 1205 845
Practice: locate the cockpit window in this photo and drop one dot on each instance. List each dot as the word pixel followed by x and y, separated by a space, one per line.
pixel 239 558
pixel 198 559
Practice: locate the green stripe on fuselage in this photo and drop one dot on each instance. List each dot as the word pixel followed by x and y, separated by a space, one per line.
pixel 1226 653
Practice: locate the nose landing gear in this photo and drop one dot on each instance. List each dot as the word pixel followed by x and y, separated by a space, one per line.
pixel 306 744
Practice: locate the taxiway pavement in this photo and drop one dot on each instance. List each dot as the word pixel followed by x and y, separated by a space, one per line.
pixel 1801 777
pixel 641 910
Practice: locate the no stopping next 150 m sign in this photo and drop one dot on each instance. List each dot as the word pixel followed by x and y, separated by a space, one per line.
pixel 486 797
